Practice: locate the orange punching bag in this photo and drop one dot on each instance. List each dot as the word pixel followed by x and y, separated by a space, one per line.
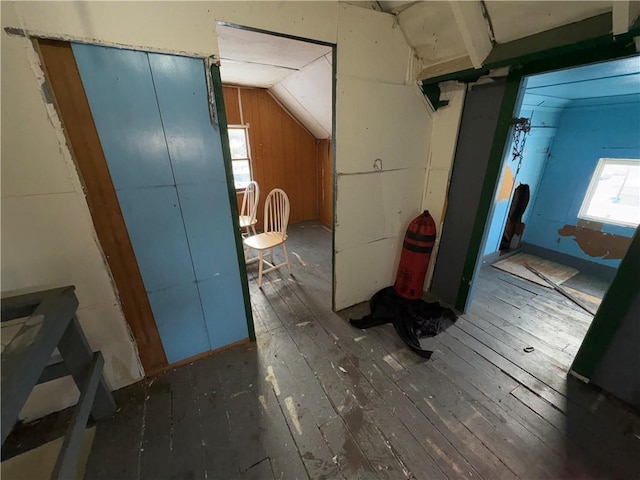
pixel 416 252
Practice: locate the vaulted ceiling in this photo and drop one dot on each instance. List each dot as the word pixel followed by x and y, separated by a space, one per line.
pixel 298 74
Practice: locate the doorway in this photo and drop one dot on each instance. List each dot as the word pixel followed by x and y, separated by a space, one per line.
pixel 279 98
pixel 575 151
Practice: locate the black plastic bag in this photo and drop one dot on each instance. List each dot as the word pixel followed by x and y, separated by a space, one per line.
pixel 412 319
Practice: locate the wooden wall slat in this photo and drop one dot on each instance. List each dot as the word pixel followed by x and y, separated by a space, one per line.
pixel 325 175
pixel 73 107
pixel 232 106
pixel 283 153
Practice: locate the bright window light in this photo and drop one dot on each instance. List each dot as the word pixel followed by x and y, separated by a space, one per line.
pixel 614 193
pixel 240 159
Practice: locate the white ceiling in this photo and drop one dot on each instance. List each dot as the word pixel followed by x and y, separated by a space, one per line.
pixel 517 19
pixel 297 73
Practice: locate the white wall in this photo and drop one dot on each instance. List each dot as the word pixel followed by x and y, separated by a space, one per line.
pixel 47 233
pixel 444 137
pixel 378 116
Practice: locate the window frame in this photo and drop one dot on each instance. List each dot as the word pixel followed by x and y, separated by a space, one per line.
pixel 593 184
pixel 248 143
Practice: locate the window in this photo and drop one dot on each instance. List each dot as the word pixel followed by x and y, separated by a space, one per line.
pixel 614 193
pixel 240 159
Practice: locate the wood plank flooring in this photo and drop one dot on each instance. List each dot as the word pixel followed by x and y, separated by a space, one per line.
pixel 315 398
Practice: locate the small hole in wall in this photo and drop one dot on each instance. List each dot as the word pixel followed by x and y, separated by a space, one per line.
pixel 377 164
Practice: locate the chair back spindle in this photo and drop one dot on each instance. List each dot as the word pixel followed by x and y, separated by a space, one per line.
pixel 250 201
pixel 276 212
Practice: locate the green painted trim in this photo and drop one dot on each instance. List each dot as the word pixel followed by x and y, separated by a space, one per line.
pixel 550 42
pixel 334 94
pixel 614 307
pixel 468 75
pixel 226 154
pixel 432 92
pixel 576 59
pixel 489 184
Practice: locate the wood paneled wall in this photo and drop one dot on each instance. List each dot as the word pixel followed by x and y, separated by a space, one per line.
pixel 283 154
pixel 325 175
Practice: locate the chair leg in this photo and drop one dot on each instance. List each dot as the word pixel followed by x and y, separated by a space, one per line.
pixel 260 269
pixel 286 257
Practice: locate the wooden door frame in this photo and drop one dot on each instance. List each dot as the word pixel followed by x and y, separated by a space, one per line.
pixel 71 103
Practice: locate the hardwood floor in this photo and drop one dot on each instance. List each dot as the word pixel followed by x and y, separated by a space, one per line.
pixel 316 398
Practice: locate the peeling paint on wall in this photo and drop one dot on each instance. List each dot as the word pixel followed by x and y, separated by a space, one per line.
pixel 596 243
pixel 507 185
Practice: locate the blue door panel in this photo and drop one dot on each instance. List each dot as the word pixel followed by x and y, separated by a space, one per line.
pixel 178 314
pixel 210 232
pixel 198 163
pixel 226 322
pixel 193 142
pixel 167 166
pixel 120 91
pixel 156 229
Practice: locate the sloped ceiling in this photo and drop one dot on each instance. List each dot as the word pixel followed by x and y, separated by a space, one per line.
pixel 297 73
pixel 444 35
pixel 601 80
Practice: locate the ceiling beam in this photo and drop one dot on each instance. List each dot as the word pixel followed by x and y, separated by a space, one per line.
pixel 474 29
pixel 625 13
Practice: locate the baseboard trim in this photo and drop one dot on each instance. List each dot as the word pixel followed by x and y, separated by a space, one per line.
pixel 597 270
pixel 496 256
pixel 195 358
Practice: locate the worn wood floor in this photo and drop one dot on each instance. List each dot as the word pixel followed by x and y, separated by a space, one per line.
pixel 316 398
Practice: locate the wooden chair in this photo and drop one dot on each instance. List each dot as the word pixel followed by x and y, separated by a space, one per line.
pixel 249 210
pixel 276 218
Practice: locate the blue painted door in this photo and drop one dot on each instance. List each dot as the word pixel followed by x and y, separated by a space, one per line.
pixel 166 163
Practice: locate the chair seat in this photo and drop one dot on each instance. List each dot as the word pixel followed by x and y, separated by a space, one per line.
pixel 245 221
pixel 264 241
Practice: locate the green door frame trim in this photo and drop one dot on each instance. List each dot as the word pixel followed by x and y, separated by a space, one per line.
pixel 334 171
pixel 492 174
pixel 612 310
pixel 226 154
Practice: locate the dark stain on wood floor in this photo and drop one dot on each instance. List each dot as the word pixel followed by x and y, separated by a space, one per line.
pixel 316 398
